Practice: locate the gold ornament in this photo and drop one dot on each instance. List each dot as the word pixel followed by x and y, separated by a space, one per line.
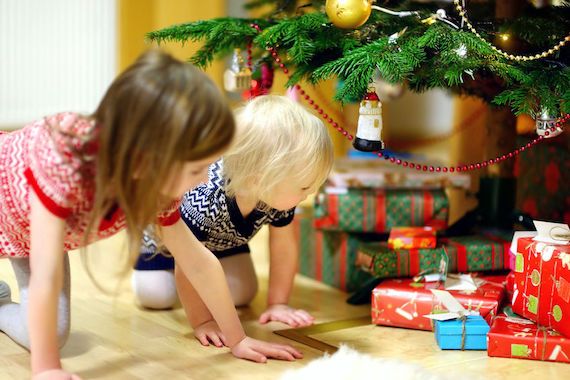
pixel 348 14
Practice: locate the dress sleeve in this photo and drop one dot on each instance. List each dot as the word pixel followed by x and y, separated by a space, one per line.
pixel 169 215
pixel 283 218
pixel 60 162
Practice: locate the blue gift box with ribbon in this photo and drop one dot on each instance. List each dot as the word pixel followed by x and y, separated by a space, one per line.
pixel 467 333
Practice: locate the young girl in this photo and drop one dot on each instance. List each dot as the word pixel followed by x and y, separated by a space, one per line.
pixel 281 154
pixel 68 180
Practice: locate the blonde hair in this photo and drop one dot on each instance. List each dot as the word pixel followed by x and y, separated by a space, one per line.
pixel 277 140
pixel 155 115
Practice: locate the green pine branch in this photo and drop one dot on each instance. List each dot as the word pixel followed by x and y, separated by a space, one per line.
pixel 424 56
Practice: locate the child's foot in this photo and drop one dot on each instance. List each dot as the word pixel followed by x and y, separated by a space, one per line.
pixel 5 293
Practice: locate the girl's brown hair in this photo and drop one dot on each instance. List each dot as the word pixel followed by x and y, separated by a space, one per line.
pixel 157 114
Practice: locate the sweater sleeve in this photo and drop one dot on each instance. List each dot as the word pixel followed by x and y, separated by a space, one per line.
pixel 61 161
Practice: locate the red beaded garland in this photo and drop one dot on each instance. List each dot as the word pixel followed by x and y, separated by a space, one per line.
pixel 392 159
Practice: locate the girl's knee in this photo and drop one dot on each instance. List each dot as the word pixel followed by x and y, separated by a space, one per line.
pixel 154 289
pixel 245 292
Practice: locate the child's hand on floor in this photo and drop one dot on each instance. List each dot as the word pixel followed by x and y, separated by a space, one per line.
pixel 288 315
pixel 55 374
pixel 209 332
pixel 258 351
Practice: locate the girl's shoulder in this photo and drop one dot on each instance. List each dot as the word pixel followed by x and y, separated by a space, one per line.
pixel 60 158
pixel 71 133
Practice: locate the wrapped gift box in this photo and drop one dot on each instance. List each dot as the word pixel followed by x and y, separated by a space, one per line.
pixel 375 210
pixel 384 262
pixel 403 302
pixel 328 257
pixel 510 285
pixel 542 284
pixel 412 237
pixel 457 334
pixel 352 173
pixel 465 254
pixel 523 339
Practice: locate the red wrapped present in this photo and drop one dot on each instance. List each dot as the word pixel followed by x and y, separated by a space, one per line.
pixel 412 237
pixel 403 303
pixel 542 284
pixel 510 286
pixel 523 339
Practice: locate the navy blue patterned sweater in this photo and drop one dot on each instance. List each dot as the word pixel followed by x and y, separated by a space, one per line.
pixel 215 219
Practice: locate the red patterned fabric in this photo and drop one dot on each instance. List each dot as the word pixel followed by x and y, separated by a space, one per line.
pixel 54 157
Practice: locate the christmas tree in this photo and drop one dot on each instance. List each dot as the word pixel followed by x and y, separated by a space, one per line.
pixel 509 52
pixel 513 54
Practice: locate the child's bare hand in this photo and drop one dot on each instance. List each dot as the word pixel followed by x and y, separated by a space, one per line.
pixel 55 374
pixel 259 351
pixel 288 315
pixel 209 332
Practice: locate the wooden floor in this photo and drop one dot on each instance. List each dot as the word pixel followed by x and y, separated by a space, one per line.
pixel 112 339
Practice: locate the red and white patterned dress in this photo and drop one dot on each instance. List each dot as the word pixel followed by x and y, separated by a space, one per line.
pixel 55 157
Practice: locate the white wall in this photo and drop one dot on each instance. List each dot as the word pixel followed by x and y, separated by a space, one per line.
pixel 55 55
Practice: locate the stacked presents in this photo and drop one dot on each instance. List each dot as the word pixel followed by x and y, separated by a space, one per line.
pixel 540 296
pixel 525 314
pixel 363 201
pixel 380 225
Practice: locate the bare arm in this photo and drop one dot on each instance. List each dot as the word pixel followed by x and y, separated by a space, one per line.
pixel 204 272
pixel 46 280
pixel 283 261
pixel 205 328
pixel 196 311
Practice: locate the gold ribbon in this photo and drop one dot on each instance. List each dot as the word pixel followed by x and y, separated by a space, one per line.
pixel 463 320
pixel 544 337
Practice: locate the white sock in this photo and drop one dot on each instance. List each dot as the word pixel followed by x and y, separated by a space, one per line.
pixel 155 289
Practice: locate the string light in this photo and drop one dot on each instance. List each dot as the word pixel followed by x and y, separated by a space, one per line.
pixel 463 13
pixel 405 163
pixel 441 16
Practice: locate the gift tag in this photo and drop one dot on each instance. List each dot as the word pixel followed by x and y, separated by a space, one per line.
pixel 460 282
pixel 456 310
pixel 552 233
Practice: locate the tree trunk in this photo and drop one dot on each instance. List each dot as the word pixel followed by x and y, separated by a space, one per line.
pixel 497 189
pixel 501 125
pixel 501 139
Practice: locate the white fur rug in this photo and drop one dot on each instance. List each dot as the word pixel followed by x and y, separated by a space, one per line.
pixel 349 364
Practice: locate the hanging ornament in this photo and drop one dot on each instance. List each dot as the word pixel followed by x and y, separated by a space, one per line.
pixel 267 73
pixel 262 81
pixel 348 14
pixel 461 51
pixel 238 76
pixel 369 132
pixel 545 124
